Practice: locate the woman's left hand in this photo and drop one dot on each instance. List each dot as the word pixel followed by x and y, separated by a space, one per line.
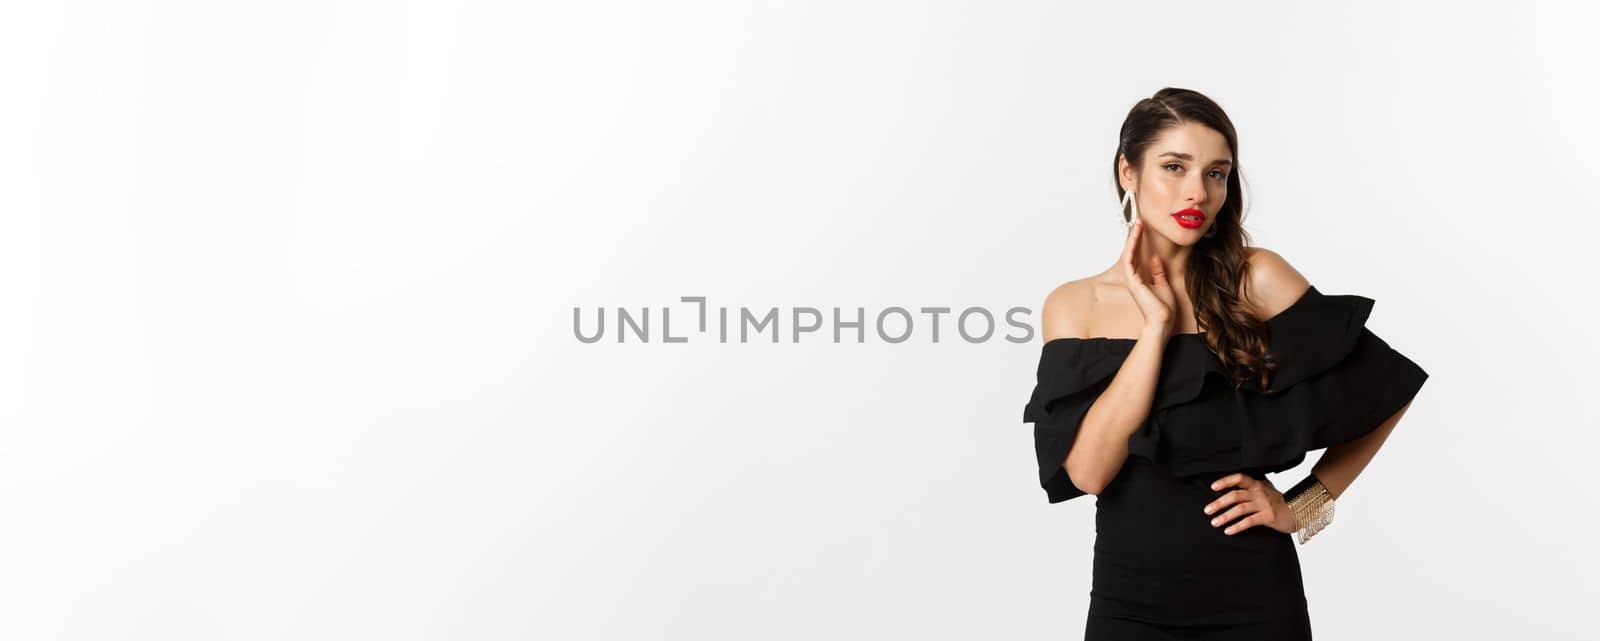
pixel 1255 500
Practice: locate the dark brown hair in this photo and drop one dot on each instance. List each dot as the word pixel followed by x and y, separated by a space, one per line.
pixel 1217 267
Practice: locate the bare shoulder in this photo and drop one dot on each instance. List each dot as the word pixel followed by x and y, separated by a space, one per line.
pixel 1274 284
pixel 1066 310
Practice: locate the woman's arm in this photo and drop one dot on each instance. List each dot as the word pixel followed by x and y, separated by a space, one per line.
pixel 1274 284
pixel 1341 464
pixel 1100 446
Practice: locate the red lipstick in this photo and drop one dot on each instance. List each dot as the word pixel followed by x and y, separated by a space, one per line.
pixel 1184 220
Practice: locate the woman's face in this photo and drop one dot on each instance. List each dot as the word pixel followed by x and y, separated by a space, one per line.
pixel 1185 170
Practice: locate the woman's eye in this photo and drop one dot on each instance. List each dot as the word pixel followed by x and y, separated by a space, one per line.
pixel 1220 175
pixel 1171 165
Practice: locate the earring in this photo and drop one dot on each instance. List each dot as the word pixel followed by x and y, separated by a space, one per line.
pixel 1127 218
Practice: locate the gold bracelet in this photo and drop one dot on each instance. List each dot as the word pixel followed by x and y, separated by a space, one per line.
pixel 1312 507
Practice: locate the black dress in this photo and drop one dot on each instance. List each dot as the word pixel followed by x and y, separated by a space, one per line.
pixel 1161 571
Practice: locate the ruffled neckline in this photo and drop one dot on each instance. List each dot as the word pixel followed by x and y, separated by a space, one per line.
pixel 1335 382
pixel 1309 336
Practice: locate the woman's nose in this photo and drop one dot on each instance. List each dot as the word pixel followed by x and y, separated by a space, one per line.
pixel 1196 193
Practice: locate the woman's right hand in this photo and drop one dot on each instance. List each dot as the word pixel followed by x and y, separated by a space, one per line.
pixel 1155 299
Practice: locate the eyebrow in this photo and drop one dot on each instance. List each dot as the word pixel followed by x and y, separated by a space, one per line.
pixel 1191 158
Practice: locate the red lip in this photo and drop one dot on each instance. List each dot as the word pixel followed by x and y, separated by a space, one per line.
pixel 1189 224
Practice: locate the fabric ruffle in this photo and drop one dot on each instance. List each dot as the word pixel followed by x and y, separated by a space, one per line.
pixel 1336 381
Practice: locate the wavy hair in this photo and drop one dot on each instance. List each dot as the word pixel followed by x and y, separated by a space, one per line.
pixel 1217 269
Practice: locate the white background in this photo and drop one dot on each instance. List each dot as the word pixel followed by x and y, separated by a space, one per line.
pixel 288 290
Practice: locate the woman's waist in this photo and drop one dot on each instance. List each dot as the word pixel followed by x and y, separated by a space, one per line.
pixel 1148 516
pixel 1147 482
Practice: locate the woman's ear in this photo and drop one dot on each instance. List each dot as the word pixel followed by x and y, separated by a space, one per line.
pixel 1126 173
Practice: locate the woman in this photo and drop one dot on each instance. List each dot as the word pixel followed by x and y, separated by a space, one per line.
pixel 1170 384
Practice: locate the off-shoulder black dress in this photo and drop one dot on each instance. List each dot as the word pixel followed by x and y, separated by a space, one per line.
pixel 1161 570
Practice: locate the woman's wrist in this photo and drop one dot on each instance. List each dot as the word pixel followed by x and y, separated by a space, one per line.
pixel 1311 505
pixel 1156 331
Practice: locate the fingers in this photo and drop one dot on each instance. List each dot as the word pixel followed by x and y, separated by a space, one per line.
pixel 1247 522
pixel 1251 510
pixel 1236 496
pixel 1240 479
pixel 1247 507
pixel 1247 501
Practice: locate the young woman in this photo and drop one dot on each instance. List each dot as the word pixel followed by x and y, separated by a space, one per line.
pixel 1173 382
